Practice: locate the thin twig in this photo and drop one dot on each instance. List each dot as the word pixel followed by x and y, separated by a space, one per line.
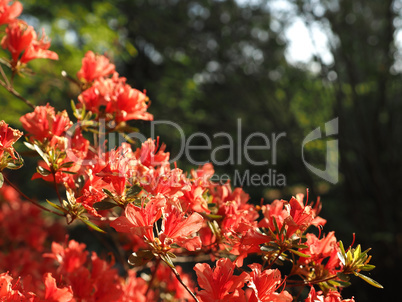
pixel 4 76
pixel 30 199
pixel 16 94
pixel 56 187
pixel 182 283
pixel 295 283
pixel 64 74
pixel 276 258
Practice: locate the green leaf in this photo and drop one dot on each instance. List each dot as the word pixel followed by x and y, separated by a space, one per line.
pixel 91 224
pixel 68 172
pixel 104 205
pixel 300 254
pixel 42 171
pixel 357 252
pixel 107 192
pixel 140 258
pixel 73 106
pixel 167 260
pixel 43 155
pixel 300 246
pixel 342 248
pixel 212 216
pixel 343 276
pixel 368 280
pixel 14 166
pixel 29 146
pixel 338 283
pixel 67 164
pixel 1 179
pixel 367 267
pixel 57 206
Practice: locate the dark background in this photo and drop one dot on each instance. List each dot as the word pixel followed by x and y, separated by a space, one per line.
pixel 205 64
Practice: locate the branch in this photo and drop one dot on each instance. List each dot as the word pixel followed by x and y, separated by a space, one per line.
pixel 182 283
pixel 10 89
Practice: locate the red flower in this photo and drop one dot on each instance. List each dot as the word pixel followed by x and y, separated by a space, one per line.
pixel 8 136
pixel 140 220
pixel 150 156
pixel 12 292
pixel 44 123
pixel 264 285
pixel 22 37
pixel 134 289
pixel 319 249
pixel 273 211
pixel 131 104
pixel 19 36
pixel 114 99
pixel 176 228
pixel 55 294
pixel 296 216
pixel 71 257
pixel 331 296
pixel 94 66
pixel 39 49
pixel 300 216
pixel 9 12
pixel 220 284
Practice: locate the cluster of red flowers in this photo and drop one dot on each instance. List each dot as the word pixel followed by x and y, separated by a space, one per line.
pixel 21 40
pixel 157 212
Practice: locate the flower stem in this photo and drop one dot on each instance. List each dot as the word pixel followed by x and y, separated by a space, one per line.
pixel 16 94
pixel 182 283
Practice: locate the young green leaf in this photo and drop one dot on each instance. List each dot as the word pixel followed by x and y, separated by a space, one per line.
pixel 368 280
pixel 92 225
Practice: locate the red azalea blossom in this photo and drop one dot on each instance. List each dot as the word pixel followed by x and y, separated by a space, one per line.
pixel 331 296
pixel 131 104
pixel 8 13
pixel 70 257
pixel 176 228
pixel 21 37
pixel 55 294
pixel 140 220
pixel 150 156
pixel 8 136
pixel 134 289
pixel 43 123
pixel 11 291
pixel 220 284
pixel 162 209
pixel 39 49
pixel 264 285
pixel 296 216
pixel 94 66
pixel 319 249
pixel 112 98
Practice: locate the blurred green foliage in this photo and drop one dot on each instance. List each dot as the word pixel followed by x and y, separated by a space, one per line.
pixel 205 64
